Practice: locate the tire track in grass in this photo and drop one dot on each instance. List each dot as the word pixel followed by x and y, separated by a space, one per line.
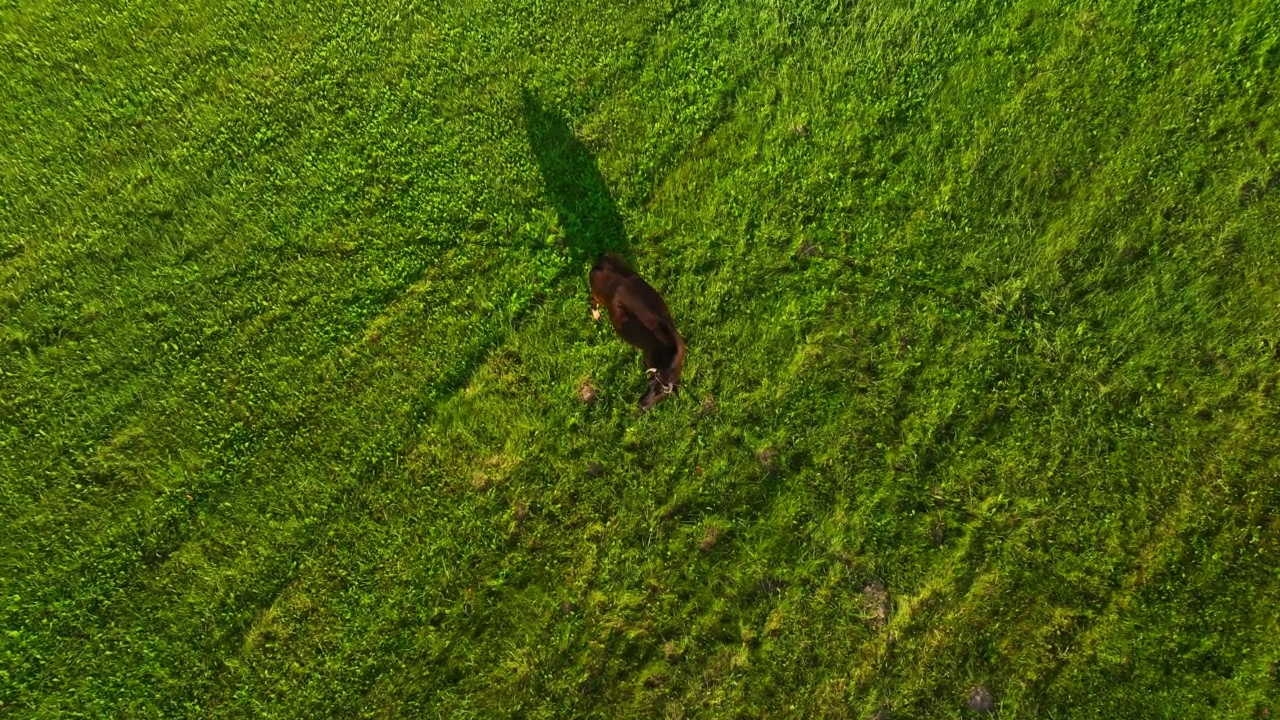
pixel 234 278
pixel 119 119
pixel 363 385
pixel 226 444
pixel 128 312
pixel 387 461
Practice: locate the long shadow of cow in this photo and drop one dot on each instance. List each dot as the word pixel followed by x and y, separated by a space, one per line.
pixel 575 186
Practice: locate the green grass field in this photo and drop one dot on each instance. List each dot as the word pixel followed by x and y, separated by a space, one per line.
pixel 982 302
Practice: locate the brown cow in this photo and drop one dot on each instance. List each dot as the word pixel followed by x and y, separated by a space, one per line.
pixel 640 316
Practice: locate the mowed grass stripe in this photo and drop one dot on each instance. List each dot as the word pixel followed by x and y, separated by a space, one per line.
pixel 155 550
pixel 194 252
pixel 177 547
pixel 982 300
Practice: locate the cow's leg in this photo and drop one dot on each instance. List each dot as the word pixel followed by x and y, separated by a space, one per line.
pixel 657 363
pixel 653 362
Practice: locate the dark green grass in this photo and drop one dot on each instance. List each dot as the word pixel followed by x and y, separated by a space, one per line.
pixel 983 309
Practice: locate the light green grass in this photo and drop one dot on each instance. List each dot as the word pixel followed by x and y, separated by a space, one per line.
pixel 983 311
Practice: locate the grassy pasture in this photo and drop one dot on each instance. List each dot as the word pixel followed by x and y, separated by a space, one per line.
pixel 983 310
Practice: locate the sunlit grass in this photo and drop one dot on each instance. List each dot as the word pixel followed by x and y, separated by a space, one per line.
pixel 984 336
